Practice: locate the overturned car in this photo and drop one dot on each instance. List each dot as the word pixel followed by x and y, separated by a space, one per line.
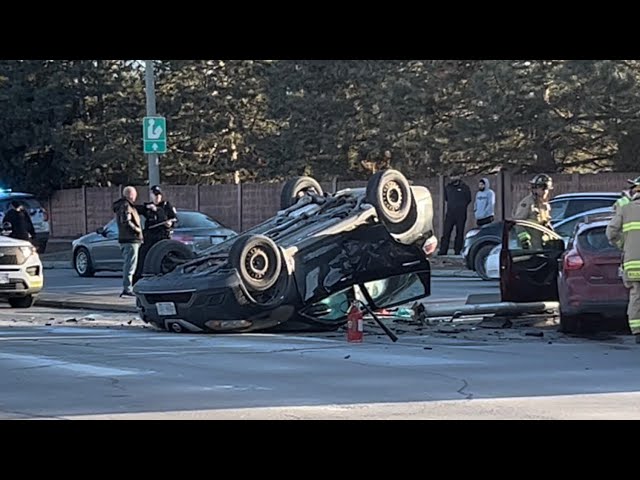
pixel 302 268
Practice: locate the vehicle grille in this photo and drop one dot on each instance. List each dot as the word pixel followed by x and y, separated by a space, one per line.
pixel 183 297
pixel 13 285
pixel 11 256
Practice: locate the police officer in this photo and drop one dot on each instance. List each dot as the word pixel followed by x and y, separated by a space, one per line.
pixel 535 207
pixel 624 232
pixel 160 218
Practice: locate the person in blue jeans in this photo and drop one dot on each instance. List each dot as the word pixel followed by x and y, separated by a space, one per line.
pixel 129 236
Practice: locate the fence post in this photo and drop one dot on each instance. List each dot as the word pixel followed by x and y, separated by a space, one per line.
pixel 441 206
pixel 239 192
pixel 50 215
pixel 334 184
pixel 84 211
pixel 507 193
pixel 197 197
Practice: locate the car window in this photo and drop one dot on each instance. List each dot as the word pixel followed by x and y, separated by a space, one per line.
pixel 30 203
pixel 196 220
pixel 583 205
pixel 595 240
pixel 566 229
pixel 111 229
pixel 558 210
pixel 524 237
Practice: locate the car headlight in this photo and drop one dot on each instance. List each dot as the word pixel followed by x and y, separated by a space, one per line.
pixel 27 251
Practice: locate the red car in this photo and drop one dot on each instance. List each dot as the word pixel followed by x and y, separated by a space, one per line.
pixel 584 276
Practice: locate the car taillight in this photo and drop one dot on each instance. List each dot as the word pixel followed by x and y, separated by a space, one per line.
pixel 188 239
pixel 430 245
pixel 573 261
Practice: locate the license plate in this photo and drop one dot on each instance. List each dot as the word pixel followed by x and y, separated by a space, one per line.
pixel 166 308
pixel 4 278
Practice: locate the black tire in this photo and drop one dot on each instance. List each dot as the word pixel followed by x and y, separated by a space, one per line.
pixel 479 260
pixel 82 263
pixel 390 194
pixel 258 261
pixel 296 188
pixel 165 256
pixel 570 323
pixel 22 302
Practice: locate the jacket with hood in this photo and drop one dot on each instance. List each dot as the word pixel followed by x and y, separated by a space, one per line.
pixel 128 221
pixel 624 232
pixel 485 202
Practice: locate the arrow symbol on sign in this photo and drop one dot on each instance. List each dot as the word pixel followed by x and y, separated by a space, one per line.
pixel 155 147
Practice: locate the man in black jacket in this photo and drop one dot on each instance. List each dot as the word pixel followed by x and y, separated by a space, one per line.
pixel 160 217
pixel 457 196
pixel 21 225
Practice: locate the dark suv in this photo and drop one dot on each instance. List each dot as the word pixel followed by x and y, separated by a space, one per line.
pixel 479 242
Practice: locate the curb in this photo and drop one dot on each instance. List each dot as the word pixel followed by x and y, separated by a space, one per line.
pixel 82 304
pixel 56 264
pixel 454 273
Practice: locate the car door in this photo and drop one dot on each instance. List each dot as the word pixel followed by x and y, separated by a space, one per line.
pixel 105 249
pixel 529 262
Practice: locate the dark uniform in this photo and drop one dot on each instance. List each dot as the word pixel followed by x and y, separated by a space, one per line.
pixel 21 225
pixel 155 228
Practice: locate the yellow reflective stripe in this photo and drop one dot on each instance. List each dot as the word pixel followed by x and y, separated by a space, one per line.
pixel 621 202
pixel 524 235
pixel 631 226
pixel 632 264
pixel 634 323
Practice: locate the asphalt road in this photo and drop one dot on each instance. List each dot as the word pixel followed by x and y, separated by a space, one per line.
pixel 66 371
pixel 65 281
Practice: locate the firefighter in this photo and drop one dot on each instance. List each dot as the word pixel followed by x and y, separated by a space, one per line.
pixel 535 207
pixel 623 231
pixel 160 217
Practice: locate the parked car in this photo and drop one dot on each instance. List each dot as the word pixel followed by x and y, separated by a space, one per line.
pixel 479 242
pixel 21 274
pixel 584 277
pixel 100 251
pixel 565 228
pixel 38 214
pixel 302 268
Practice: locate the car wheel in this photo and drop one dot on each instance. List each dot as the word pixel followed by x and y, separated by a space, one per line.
pixel 22 302
pixel 480 260
pixel 390 194
pixel 165 256
pixel 82 263
pixel 296 188
pixel 570 323
pixel 258 261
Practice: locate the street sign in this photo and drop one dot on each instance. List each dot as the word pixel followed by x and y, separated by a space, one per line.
pixel 154 134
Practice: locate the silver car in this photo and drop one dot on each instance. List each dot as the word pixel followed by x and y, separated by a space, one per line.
pixel 100 251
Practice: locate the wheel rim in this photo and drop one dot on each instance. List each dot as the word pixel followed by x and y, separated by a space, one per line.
pixel 392 196
pixel 169 262
pixel 257 263
pixel 82 262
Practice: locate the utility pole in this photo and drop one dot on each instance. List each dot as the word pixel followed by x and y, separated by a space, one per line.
pixel 154 159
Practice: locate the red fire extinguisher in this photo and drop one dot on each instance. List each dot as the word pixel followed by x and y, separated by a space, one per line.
pixel 355 324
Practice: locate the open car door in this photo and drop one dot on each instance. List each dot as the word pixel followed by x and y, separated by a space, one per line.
pixel 529 262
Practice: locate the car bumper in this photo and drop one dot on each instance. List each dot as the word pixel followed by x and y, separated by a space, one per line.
pixel 205 305
pixel 16 282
